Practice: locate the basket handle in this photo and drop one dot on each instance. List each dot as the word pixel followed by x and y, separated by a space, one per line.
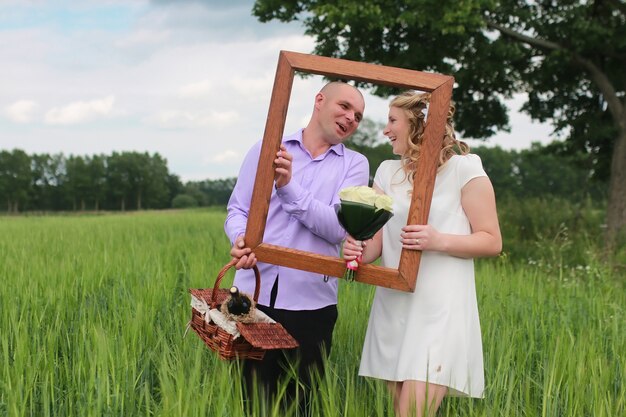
pixel 220 275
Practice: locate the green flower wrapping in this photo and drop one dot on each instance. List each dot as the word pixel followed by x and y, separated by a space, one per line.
pixel 362 213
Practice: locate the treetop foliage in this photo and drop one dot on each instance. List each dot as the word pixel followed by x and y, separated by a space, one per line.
pixel 120 181
pixel 554 51
pixel 567 57
pixel 132 181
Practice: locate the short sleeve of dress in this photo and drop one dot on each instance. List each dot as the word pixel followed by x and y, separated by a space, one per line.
pixel 470 166
pixel 382 174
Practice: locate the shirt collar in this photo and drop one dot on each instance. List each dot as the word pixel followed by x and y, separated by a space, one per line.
pixel 297 137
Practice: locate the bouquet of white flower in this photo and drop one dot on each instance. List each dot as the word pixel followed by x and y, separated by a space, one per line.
pixel 362 213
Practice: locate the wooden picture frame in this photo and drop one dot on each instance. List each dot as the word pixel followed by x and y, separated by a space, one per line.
pixel 439 85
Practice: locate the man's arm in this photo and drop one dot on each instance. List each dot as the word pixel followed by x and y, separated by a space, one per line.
pixel 238 209
pixel 319 217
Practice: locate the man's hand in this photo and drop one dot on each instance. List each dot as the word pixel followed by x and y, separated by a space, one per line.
pixel 245 257
pixel 282 172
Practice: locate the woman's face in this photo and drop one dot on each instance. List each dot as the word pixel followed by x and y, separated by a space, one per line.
pixel 397 130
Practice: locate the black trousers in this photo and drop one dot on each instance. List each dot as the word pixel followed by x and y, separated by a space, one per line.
pixel 313 329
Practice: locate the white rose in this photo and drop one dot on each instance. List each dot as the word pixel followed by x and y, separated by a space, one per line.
pixel 366 195
pixel 384 202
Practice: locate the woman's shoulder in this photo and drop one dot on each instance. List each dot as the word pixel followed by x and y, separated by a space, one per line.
pixel 390 164
pixel 468 161
pixel 386 170
pixel 468 158
pixel 467 166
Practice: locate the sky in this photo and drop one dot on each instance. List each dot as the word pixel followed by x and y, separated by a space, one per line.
pixel 188 79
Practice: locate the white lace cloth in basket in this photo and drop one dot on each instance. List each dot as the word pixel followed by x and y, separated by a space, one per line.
pixel 217 317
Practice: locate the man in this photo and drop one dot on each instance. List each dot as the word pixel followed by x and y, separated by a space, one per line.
pixel 311 167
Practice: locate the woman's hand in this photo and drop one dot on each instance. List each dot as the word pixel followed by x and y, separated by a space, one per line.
pixel 352 248
pixel 421 237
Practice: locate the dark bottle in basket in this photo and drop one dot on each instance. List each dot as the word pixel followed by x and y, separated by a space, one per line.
pixel 238 304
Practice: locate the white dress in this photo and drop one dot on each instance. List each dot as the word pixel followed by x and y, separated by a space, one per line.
pixel 432 334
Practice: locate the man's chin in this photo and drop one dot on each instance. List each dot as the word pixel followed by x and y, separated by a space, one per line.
pixel 341 138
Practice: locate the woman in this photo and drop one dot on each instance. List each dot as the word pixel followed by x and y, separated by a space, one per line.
pixel 427 344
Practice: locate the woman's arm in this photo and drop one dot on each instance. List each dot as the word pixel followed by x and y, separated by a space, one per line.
pixel 479 203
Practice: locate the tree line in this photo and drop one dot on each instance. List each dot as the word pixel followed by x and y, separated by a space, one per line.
pixel 120 181
pixel 136 181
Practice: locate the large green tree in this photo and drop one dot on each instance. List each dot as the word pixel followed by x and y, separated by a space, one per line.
pixel 97 179
pixel 118 175
pixel 78 185
pixel 15 177
pixel 42 176
pixel 569 57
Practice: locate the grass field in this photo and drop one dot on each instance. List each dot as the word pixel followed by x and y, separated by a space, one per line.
pixel 93 311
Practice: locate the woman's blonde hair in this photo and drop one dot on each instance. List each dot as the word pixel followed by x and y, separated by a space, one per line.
pixel 415 105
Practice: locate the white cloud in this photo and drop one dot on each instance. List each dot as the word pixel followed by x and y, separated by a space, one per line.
pixel 80 111
pixel 143 37
pixel 21 111
pixel 188 76
pixel 225 156
pixel 252 86
pixel 199 89
pixel 224 118
pixel 182 119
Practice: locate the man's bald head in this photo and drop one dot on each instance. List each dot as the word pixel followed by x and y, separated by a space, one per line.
pixel 333 87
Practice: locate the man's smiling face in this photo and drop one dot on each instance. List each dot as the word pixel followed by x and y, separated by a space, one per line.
pixel 341 110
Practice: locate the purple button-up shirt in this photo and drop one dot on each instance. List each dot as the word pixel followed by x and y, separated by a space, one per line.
pixel 301 216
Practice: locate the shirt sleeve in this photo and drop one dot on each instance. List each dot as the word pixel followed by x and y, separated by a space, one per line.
pixel 470 166
pixel 238 206
pixel 319 217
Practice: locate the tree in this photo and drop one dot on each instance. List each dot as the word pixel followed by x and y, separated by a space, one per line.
pixel 502 169
pixel 57 171
pixel 15 178
pixel 41 189
pixel 138 166
pixel 156 184
pixel 78 181
pixel 211 192
pixel 138 177
pixel 174 187
pixel 184 201
pixel 536 173
pixel 118 180
pixel 567 56
pixel 96 167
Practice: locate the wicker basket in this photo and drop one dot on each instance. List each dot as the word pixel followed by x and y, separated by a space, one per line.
pixel 255 338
